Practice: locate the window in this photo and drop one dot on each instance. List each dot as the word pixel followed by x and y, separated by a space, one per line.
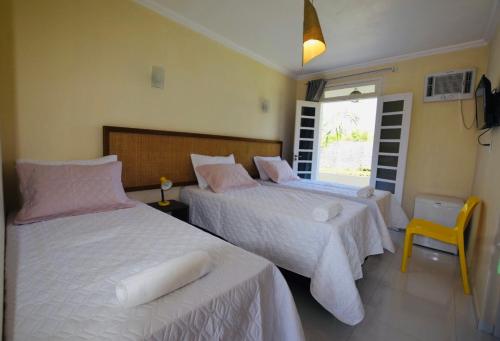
pixel 354 139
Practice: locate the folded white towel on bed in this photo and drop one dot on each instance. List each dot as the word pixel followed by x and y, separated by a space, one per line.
pixel 327 211
pixel 365 192
pixel 163 278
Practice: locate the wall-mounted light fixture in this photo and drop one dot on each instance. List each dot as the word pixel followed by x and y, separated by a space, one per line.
pixel 158 77
pixel 264 105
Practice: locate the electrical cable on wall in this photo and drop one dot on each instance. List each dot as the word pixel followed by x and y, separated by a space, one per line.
pixel 463 118
pixel 479 138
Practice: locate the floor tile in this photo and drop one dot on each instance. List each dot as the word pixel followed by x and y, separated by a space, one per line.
pixel 465 323
pixel 317 322
pixel 426 303
pixel 414 315
pixel 437 288
pixel 366 288
pixel 375 330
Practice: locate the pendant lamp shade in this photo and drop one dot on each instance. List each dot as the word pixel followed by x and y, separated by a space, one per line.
pixel 313 41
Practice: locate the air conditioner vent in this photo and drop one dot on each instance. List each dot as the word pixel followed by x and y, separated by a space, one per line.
pixel 468 81
pixel 449 86
pixel 430 82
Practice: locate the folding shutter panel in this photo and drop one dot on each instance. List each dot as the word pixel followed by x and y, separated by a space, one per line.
pixel 390 145
pixel 306 139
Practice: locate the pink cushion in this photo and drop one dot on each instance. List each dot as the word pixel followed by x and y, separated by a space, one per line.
pixel 258 160
pixel 224 177
pixel 279 171
pixel 56 191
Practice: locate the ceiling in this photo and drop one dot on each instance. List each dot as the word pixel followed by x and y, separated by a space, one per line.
pixel 356 32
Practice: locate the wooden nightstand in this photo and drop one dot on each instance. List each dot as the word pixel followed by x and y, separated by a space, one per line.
pixel 176 209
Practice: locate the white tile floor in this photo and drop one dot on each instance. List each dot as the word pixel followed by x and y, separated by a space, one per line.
pixel 426 303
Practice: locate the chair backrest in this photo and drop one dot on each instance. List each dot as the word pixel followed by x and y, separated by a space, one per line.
pixel 465 213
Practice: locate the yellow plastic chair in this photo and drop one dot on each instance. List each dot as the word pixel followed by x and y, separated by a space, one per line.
pixel 444 234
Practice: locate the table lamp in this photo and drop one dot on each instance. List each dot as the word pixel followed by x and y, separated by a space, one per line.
pixel 165 185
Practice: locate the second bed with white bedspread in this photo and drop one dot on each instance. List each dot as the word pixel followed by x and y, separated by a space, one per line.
pixel 388 211
pixel 277 223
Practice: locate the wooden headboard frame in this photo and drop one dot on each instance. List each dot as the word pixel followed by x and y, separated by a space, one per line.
pixel 149 154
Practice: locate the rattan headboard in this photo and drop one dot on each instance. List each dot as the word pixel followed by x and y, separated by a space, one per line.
pixel 149 154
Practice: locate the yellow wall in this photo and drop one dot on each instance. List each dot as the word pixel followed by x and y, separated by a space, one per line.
pixel 441 153
pixel 483 256
pixel 84 64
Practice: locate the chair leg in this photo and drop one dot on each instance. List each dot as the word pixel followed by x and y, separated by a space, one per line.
pixel 407 250
pixel 463 266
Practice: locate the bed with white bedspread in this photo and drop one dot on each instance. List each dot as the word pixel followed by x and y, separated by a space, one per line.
pixel 276 223
pixel 387 209
pixel 61 277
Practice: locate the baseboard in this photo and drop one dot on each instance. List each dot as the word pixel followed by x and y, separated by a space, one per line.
pixel 482 325
pixel 497 325
pixel 486 327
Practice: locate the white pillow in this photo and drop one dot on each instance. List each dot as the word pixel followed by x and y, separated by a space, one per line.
pixel 200 160
pixel 258 163
pixel 92 162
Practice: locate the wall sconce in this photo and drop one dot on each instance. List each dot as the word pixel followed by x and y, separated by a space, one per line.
pixel 158 77
pixel 264 105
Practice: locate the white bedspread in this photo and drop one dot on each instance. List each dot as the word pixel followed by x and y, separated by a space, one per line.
pixel 61 276
pixel 277 223
pixel 386 208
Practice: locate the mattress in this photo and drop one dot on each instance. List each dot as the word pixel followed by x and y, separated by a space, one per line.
pixel 61 277
pixel 276 223
pixel 387 209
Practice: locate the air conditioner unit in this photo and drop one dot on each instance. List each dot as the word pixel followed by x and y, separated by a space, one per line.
pixel 449 86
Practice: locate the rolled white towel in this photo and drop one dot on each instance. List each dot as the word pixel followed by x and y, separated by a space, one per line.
pixel 327 211
pixel 163 278
pixel 365 192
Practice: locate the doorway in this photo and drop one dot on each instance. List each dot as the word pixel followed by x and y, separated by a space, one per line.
pixel 346 137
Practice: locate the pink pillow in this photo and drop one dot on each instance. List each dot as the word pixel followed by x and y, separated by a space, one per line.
pixel 279 171
pixel 57 191
pixel 224 177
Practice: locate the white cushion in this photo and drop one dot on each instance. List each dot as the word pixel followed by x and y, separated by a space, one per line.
pixel 92 162
pixel 258 163
pixel 200 160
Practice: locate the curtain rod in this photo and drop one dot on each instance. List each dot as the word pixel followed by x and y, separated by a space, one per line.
pixel 391 69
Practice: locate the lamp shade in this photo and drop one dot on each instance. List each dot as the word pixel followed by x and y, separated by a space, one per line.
pixel 165 183
pixel 313 41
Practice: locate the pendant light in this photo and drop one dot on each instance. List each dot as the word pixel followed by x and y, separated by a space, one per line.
pixel 355 92
pixel 313 41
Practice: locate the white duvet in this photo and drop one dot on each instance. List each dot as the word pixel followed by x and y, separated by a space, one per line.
pixel 61 277
pixel 276 223
pixel 387 210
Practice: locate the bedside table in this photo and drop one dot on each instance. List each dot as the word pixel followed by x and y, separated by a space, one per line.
pixel 176 209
